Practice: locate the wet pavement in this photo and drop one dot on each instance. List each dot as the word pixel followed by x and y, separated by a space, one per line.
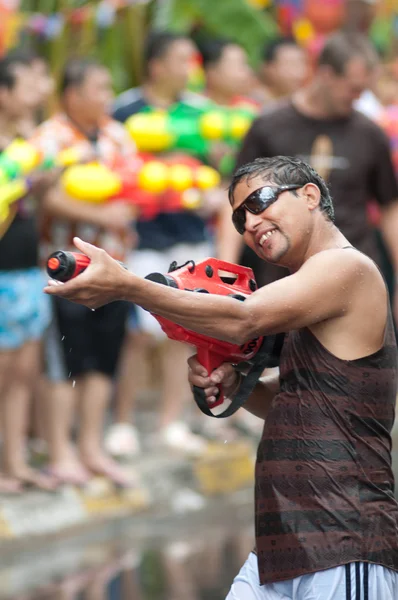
pixel 193 557
pixel 188 544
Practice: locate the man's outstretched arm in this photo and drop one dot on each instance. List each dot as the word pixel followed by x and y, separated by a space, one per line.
pixel 319 290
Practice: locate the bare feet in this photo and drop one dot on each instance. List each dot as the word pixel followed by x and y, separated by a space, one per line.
pixel 69 472
pixel 27 476
pixel 101 464
pixel 9 486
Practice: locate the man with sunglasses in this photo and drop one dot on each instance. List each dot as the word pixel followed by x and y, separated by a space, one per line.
pixel 326 517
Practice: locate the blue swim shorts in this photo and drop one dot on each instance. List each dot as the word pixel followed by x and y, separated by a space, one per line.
pixel 25 311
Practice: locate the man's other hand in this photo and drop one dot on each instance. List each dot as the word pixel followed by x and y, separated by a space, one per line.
pixel 225 375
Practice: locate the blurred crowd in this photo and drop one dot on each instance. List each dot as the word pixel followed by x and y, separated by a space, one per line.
pixel 70 377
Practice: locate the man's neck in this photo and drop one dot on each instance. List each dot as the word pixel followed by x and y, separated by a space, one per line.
pixel 9 129
pixel 325 236
pixel 88 127
pixel 219 97
pixel 158 95
pixel 310 101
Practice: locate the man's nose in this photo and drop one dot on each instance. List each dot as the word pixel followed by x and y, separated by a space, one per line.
pixel 252 221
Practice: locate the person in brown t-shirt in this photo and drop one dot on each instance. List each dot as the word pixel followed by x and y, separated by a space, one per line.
pixel 351 152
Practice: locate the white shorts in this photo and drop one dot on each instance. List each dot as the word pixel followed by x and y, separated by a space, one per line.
pixel 143 262
pixel 331 584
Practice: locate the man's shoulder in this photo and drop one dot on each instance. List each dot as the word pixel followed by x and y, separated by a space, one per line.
pixel 128 97
pixel 54 132
pixel 114 129
pixel 367 125
pixel 276 108
pixel 56 121
pixel 129 103
pixel 347 260
pixel 277 111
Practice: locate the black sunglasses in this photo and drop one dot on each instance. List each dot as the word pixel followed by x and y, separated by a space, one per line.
pixel 257 202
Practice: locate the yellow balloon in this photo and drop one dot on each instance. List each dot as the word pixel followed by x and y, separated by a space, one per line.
pixel 24 154
pixel 239 126
pixel 212 125
pixel 153 177
pixel 149 131
pixel 206 177
pixel 180 177
pixel 91 182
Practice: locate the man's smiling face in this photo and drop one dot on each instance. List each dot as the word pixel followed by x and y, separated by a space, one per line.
pixel 283 226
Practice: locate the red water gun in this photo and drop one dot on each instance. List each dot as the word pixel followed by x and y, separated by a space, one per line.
pixel 210 276
pixel 62 265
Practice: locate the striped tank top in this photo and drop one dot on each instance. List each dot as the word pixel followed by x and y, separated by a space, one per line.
pixel 324 483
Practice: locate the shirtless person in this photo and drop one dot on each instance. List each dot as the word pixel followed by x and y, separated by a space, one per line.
pixel 324 485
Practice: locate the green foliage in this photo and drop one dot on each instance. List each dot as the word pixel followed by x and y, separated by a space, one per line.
pixel 120 45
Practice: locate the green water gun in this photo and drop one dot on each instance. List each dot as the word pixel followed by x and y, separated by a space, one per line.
pixel 159 131
pixel 17 161
pixel 20 158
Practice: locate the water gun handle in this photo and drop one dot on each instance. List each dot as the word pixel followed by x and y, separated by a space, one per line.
pixel 63 266
pixel 210 361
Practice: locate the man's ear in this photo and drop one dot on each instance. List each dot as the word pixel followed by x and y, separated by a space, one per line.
pixel 312 195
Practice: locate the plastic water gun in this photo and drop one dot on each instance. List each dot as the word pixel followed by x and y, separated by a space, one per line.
pixel 18 160
pixel 160 131
pixel 63 266
pixel 210 276
pixel 21 157
pixel 11 192
pixel 154 187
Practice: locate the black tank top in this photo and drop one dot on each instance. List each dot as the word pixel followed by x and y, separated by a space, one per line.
pixel 324 484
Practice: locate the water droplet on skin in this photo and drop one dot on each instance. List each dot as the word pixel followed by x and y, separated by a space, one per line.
pixel 73 383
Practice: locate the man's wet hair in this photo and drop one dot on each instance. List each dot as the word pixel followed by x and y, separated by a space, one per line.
pixel 284 170
pixel 270 50
pixel 341 47
pixel 212 50
pixel 8 64
pixel 75 72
